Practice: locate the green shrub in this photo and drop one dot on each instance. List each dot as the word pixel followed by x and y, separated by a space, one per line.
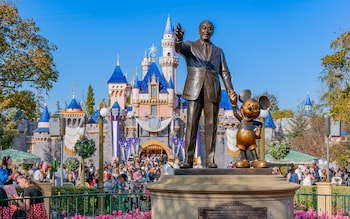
pixel 64 197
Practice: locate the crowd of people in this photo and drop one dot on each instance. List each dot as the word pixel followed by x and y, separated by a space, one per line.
pixel 119 177
pixel 308 175
pixel 28 204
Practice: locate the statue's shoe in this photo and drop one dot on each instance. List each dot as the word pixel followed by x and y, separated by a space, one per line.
pixel 260 164
pixel 242 164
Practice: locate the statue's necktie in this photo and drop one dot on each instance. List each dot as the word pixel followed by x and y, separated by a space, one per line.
pixel 206 50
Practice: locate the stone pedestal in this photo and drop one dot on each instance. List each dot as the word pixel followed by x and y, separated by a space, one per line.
pixel 324 198
pixel 46 187
pixel 184 196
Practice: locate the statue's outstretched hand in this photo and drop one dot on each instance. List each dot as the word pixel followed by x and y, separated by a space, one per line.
pixel 179 33
pixel 233 97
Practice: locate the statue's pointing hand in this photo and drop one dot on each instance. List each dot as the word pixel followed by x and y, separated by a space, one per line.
pixel 179 32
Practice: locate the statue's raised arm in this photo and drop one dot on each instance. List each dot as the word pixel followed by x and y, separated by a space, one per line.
pixel 179 33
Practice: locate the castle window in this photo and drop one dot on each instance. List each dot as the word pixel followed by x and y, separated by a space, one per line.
pixel 168 54
pixel 153 91
pixel 154 110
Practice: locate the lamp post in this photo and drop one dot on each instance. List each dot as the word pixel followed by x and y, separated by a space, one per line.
pixel 327 133
pixel 101 204
pixel 263 115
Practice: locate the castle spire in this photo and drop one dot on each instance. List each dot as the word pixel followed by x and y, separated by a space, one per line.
pixel 308 106
pixel 118 60
pixel 168 27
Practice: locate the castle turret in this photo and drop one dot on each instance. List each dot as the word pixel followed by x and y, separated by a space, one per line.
pixel 135 96
pixel 169 61
pixel 308 106
pixel 171 96
pixel 146 61
pixel 43 123
pixel 118 87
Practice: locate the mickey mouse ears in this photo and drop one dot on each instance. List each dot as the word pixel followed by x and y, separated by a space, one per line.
pixel 264 102
pixel 244 95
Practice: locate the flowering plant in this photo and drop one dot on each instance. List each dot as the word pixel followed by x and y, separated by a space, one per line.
pixel 72 163
pixel 85 147
pixel 137 214
pixel 279 149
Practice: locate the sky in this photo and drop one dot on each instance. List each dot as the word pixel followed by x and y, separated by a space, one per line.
pixel 269 45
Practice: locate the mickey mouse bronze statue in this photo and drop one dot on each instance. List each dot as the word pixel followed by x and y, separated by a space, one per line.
pixel 246 134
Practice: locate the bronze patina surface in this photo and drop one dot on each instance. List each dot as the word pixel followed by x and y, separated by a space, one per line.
pixel 206 64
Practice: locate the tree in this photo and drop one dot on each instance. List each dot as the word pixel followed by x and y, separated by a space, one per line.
pixel 340 154
pixel 280 114
pixel 273 100
pixel 90 100
pixel 312 139
pixel 26 59
pixel 24 100
pixel 335 78
pixel 84 148
pixel 298 124
pixel 8 128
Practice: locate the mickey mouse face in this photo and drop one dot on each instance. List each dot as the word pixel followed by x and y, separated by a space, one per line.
pixel 250 110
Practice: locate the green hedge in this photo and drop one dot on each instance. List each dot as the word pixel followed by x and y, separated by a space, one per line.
pixel 306 197
pixel 72 204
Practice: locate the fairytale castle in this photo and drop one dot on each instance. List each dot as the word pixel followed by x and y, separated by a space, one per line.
pixel 146 116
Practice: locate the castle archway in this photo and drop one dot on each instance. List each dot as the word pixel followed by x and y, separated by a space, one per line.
pixel 154 147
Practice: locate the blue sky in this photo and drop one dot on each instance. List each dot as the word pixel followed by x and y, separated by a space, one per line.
pixel 270 45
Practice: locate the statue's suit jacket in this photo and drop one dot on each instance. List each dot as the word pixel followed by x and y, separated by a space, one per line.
pixel 202 72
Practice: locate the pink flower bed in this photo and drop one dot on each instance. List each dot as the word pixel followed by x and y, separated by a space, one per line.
pixel 137 214
pixel 311 214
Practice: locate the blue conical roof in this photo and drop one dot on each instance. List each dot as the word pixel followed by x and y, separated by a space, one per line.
pixel 168 27
pixel 74 104
pixel 43 123
pixel 116 105
pixel 137 84
pixel 170 84
pixel 45 116
pixel 308 101
pixel 95 117
pixel 153 69
pixel 117 76
pixel 269 121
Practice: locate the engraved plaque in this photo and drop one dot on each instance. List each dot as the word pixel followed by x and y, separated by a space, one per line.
pixel 233 210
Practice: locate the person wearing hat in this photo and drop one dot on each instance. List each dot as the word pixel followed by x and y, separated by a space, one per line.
pixel 137 182
pixel 108 185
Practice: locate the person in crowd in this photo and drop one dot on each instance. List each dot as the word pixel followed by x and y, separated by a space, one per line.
pixel 70 177
pixel 292 176
pixel 137 182
pixel 32 201
pixel 40 175
pixel 168 168
pixel 11 172
pixel 122 186
pixel 308 179
pixel 122 168
pixel 108 185
pixel 5 210
pixel 32 170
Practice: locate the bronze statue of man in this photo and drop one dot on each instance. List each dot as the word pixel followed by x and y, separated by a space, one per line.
pixel 205 64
